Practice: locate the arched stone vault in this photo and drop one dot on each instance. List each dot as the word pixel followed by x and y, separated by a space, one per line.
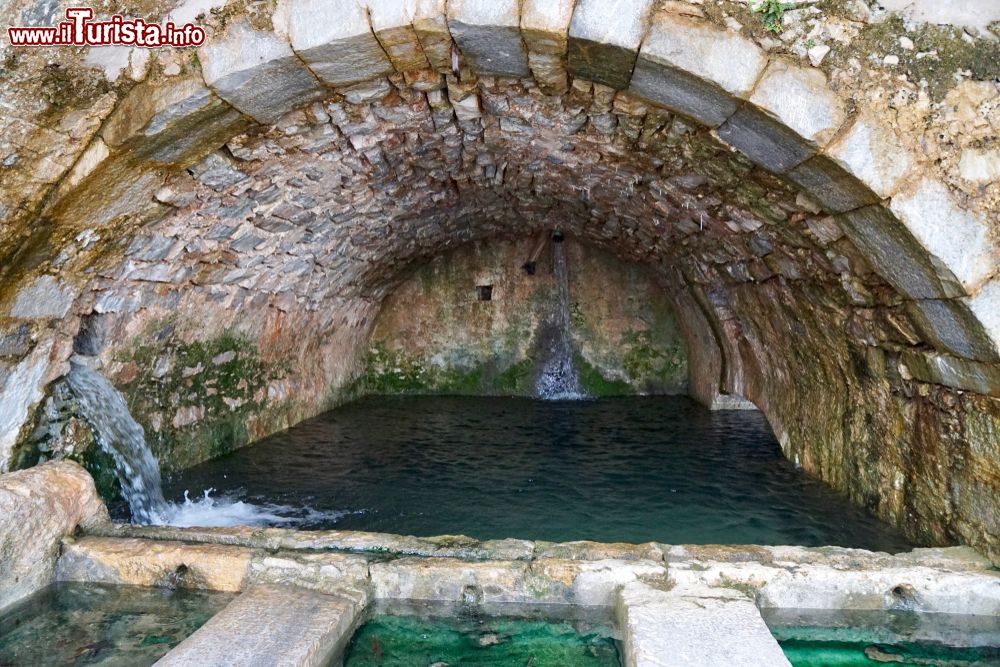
pixel 819 268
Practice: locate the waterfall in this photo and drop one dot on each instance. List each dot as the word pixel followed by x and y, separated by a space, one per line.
pixel 137 470
pixel 558 379
pixel 122 437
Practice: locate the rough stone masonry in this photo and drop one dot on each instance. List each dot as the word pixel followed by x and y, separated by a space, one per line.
pixel 817 197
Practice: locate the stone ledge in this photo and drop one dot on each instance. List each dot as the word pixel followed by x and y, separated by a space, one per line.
pixel 139 562
pixel 698 627
pixel 271 626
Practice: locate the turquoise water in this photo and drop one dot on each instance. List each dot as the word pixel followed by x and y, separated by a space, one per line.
pixel 867 639
pixel 91 624
pixel 432 634
pixel 615 470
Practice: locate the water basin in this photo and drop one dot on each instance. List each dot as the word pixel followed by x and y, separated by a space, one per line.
pixel 614 470
pixel 812 638
pixel 422 633
pixel 92 624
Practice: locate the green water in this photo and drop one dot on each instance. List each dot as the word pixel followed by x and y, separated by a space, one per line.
pixel 90 624
pixel 423 639
pixel 867 639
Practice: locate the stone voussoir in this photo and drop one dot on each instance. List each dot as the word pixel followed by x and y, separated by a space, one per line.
pixel 176 122
pixel 791 115
pixel 870 151
pixel 392 23
pixel 545 30
pixel 336 41
pixel 488 34
pixel 604 39
pixel 257 72
pixel 695 68
pixel 951 326
pixel 952 237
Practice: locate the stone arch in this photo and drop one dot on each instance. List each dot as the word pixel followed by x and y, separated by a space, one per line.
pixel 782 116
pixel 939 259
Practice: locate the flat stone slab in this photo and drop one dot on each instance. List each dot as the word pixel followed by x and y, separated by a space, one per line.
pixel 716 628
pixel 271 626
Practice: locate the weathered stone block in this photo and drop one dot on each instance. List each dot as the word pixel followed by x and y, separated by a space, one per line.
pixel 955 239
pixel 831 186
pixel 46 296
pixel 897 255
pixel 871 152
pixel 764 140
pixel 392 21
pixel 951 326
pixel 985 306
pixel 38 508
pixel 175 123
pixel 489 35
pixel 271 625
pixel 257 73
pixel 545 25
pixel 953 372
pixel 718 628
pixel 545 29
pixel 695 68
pixel 138 562
pixel 793 114
pixel 604 39
pixel 450 580
pixel 431 25
pixel 335 38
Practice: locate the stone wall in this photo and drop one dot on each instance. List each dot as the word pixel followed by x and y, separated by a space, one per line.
pixel 825 221
pixel 436 334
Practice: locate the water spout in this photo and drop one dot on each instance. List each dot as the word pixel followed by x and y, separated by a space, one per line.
pixel 122 437
pixel 118 434
pixel 558 379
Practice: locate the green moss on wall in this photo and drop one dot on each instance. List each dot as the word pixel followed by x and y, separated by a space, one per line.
pixel 596 385
pixel 195 399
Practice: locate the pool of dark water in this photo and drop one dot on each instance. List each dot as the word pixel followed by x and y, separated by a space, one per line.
pixel 812 638
pixel 614 470
pixel 92 624
pixel 407 634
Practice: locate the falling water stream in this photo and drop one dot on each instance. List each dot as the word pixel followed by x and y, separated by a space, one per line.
pixel 122 437
pixel 119 435
pixel 558 379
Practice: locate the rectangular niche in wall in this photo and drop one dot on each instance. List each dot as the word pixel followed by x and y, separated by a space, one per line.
pixel 484 292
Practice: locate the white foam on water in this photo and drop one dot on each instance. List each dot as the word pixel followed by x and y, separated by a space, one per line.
pixel 225 512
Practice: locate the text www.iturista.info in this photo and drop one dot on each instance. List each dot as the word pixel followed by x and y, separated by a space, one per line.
pixel 79 30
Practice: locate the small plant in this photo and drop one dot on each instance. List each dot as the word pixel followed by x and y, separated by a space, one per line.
pixel 772 12
pixel 810 43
